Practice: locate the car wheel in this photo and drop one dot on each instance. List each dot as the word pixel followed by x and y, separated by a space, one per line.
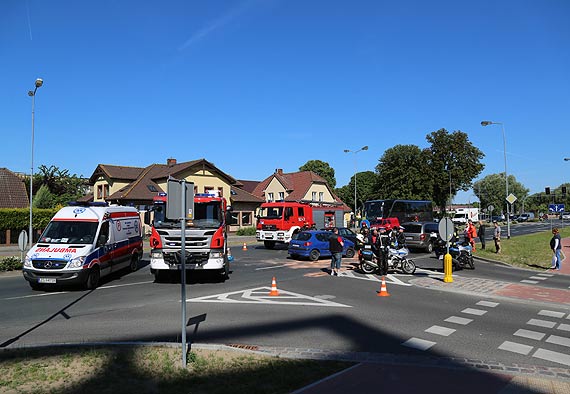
pixel 134 262
pixel 93 278
pixel 314 255
pixel 350 253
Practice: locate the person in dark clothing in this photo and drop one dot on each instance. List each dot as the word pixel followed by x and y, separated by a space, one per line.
pixel 481 233
pixel 556 247
pixel 382 245
pixel 336 244
pixel 400 238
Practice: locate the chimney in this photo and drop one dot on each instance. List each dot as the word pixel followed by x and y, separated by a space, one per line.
pixel 170 162
pixel 279 171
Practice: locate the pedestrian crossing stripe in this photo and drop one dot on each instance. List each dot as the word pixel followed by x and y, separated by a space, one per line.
pixel 390 278
pixel 261 295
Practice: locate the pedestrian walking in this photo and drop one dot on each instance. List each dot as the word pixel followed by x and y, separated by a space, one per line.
pixel 481 233
pixel 556 246
pixel 497 237
pixel 336 244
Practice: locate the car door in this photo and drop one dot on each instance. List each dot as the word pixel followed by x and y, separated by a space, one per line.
pixel 323 243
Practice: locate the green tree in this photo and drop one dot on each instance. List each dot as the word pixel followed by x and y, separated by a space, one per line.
pixel 453 162
pixel 491 190
pixel 403 172
pixel 365 189
pixel 44 199
pixel 63 186
pixel 322 169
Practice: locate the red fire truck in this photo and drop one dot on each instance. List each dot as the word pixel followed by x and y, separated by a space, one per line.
pixel 278 221
pixel 206 246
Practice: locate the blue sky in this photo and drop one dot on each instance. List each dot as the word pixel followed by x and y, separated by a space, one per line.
pixel 256 85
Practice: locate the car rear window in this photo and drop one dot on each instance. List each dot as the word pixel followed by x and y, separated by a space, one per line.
pixel 413 228
pixel 431 228
pixel 304 236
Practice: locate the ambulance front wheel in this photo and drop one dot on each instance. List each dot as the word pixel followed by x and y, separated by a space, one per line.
pixel 93 278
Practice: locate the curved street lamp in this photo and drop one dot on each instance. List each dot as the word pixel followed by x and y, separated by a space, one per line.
pixel 32 94
pixel 487 123
pixel 355 152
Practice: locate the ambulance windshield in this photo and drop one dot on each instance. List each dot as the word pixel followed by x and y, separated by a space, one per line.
pixel 69 232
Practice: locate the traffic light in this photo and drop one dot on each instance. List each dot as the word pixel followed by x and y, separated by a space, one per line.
pixel 563 189
pixel 547 190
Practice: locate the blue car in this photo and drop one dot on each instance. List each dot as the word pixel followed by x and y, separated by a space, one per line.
pixel 315 243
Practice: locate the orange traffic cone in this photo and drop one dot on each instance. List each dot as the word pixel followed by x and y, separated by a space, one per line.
pixel 383 291
pixel 244 246
pixel 273 291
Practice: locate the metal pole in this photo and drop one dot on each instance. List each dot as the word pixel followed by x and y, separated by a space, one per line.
pixel 33 94
pixel 183 271
pixel 355 189
pixel 506 183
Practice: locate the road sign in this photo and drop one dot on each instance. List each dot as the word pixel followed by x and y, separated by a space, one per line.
pixel 445 229
pixel 511 198
pixel 490 208
pixel 556 208
pixel 23 240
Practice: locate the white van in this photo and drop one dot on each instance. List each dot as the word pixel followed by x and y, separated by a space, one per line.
pixel 83 243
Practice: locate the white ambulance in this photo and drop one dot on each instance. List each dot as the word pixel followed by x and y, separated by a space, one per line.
pixel 83 243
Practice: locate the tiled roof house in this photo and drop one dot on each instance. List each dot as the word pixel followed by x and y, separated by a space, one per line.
pixel 13 193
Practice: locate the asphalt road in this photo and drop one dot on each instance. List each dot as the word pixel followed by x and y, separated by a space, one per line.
pixel 313 310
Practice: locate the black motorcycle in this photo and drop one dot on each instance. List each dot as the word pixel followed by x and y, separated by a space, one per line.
pixel 461 253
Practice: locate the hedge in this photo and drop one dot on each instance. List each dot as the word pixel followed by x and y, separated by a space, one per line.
pixel 18 218
pixel 10 264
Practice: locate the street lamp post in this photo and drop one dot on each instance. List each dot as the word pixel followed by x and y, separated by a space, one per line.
pixel 32 94
pixel 567 159
pixel 487 123
pixel 355 152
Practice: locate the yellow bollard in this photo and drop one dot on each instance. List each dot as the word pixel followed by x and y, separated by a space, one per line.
pixel 447 269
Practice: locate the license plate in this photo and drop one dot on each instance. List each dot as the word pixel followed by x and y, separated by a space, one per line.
pixel 46 280
pixel 295 245
pixel 269 237
pixel 409 237
pixel 367 247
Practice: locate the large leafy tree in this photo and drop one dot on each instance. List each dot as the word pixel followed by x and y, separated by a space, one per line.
pixel 321 168
pixel 403 172
pixel 453 162
pixel 61 185
pixel 365 189
pixel 491 190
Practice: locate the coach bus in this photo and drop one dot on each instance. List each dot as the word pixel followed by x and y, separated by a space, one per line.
pixel 404 210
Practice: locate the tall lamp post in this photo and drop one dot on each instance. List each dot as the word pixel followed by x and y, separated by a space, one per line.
pixel 355 152
pixel 32 94
pixel 487 123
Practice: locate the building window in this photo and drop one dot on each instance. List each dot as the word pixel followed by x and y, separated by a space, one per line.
pixel 314 198
pixel 282 195
pixel 269 197
pixel 220 191
pixel 209 189
pixel 246 218
pixel 321 196
pixel 105 191
pixel 233 219
pixel 99 192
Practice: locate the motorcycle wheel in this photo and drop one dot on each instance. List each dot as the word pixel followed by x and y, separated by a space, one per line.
pixel 367 268
pixel 471 263
pixel 408 266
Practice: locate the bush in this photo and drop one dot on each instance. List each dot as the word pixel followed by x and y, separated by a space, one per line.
pixel 10 264
pixel 246 231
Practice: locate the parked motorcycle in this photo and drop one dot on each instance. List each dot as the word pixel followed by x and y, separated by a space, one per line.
pixel 461 253
pixel 397 259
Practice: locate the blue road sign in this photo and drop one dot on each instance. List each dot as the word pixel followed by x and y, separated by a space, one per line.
pixel 555 207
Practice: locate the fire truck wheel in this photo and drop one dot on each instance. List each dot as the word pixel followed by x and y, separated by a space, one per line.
pixel 93 278
pixel 350 253
pixel 161 275
pixel 314 255
pixel 269 244
pixel 226 271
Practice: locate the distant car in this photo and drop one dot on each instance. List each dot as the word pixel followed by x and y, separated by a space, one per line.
pixel 418 235
pixel 565 216
pixel 495 219
pixel 315 244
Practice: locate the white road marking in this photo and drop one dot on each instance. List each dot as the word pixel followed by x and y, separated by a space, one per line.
pixel 125 284
pixel 272 267
pixel 419 344
pixel 549 355
pixel 261 295
pixel 541 323
pixel 537 336
pixel 488 304
pixel 439 330
pixel 548 313
pixel 390 278
pixel 515 347
pixel 564 327
pixel 563 341
pixel 458 320
pixel 538 278
pixel 531 282
pixel 472 311
pixel 547 275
